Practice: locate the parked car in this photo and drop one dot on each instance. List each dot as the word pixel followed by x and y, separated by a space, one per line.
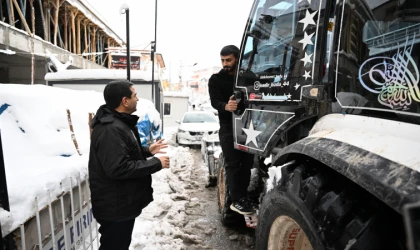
pixel 194 125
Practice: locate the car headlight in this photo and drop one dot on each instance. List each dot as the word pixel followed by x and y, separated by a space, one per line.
pixel 216 132
pixel 181 131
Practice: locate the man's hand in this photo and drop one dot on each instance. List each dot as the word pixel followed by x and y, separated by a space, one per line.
pixel 156 147
pixel 165 161
pixel 231 105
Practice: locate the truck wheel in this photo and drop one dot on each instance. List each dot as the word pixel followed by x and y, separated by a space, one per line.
pixel 227 216
pixel 317 209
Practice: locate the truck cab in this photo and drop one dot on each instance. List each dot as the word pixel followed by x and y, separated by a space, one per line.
pixel 329 90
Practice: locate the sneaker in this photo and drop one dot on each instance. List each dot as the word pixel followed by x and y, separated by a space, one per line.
pixel 244 206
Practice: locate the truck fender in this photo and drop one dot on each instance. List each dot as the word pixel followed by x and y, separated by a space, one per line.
pixel 391 182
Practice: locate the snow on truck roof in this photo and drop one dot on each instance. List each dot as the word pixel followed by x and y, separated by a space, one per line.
pixel 97 74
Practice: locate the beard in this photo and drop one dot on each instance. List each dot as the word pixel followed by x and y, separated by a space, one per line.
pixel 230 69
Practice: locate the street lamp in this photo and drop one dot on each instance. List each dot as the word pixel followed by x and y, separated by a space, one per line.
pixel 124 9
pixel 153 50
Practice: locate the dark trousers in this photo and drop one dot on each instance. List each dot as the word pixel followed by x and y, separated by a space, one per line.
pixel 238 166
pixel 116 235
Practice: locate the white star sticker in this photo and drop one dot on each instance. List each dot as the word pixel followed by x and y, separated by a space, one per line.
pixel 307 59
pixel 307 75
pixel 251 134
pixel 309 19
pixel 306 39
pixel 289 96
pixel 297 86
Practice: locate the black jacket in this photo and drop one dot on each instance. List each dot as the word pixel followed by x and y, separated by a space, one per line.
pixel 119 174
pixel 220 90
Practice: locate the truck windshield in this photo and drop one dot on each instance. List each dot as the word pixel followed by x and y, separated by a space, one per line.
pixel 278 50
pixel 378 57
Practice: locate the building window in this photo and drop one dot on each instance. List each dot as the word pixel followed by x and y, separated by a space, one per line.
pixel 166 109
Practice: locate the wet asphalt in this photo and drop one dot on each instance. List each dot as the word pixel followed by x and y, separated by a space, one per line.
pixel 204 217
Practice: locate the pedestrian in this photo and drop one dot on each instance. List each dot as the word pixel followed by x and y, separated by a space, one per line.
pixel 120 168
pixel 238 163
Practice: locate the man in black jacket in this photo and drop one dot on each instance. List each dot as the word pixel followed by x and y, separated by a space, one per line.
pixel 119 171
pixel 238 163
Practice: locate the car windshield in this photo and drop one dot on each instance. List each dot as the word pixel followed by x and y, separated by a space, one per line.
pixel 199 118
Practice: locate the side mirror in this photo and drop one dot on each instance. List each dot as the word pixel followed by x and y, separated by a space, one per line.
pixel 178 121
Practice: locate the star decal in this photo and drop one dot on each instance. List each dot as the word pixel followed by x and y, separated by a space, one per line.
pixel 251 134
pixel 297 86
pixel 307 75
pixel 306 40
pixel 306 59
pixel 289 96
pixel 309 19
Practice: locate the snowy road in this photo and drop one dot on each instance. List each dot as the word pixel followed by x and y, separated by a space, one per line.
pixel 204 218
pixel 184 214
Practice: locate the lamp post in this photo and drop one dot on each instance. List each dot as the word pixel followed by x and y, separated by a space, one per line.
pixel 126 10
pixel 153 50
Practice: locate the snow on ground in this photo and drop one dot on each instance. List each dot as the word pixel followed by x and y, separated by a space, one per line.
pixel 39 153
pixel 160 223
pixel 274 174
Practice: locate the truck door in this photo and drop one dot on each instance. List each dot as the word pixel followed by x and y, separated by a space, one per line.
pixel 282 57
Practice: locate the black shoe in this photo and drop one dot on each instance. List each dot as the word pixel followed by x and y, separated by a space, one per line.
pixel 243 206
pixel 212 182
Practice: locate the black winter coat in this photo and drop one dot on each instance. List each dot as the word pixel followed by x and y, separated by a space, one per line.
pixel 119 174
pixel 220 90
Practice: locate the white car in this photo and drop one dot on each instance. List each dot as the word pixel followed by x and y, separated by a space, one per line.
pixel 194 125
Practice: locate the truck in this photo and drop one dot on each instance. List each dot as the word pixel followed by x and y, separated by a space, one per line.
pixel 329 105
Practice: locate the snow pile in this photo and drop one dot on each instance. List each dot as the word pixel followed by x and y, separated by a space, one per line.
pixel 7 51
pixel 160 224
pixel 274 174
pixel 146 107
pixel 39 152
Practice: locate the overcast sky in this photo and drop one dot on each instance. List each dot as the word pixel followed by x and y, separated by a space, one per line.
pixel 191 31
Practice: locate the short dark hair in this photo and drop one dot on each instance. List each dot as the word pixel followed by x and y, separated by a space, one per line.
pixel 229 50
pixel 115 91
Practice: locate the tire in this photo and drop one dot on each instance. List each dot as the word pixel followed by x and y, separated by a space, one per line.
pixel 227 216
pixel 318 209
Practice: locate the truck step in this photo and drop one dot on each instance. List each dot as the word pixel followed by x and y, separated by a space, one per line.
pixel 251 220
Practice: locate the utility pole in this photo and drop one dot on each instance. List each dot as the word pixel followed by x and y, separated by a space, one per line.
pixel 126 10
pixel 153 50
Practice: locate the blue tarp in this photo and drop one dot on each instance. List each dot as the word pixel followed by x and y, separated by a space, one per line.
pixel 148 131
